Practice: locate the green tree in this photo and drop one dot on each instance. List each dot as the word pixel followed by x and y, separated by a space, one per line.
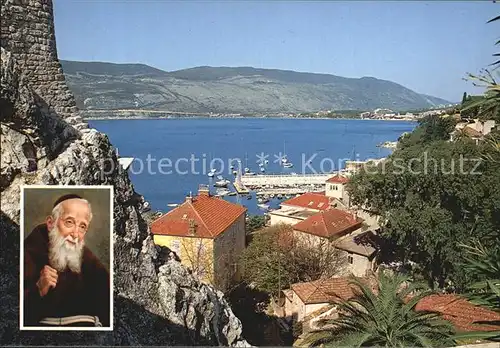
pixel 264 261
pixel 430 128
pixel 274 259
pixel 464 98
pixel 256 222
pixel 385 317
pixel 487 107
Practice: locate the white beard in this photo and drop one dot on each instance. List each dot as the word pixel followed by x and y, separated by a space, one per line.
pixel 63 254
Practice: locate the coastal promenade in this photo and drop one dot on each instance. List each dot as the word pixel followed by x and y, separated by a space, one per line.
pixel 283 180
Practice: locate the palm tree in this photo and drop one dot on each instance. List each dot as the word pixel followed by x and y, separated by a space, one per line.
pixel 484 264
pixel 384 316
pixel 489 105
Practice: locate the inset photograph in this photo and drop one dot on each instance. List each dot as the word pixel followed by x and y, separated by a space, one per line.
pixel 66 268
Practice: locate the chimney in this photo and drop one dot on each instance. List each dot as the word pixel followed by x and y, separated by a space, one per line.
pixel 192 227
pixel 189 198
pixel 332 203
pixel 354 214
pixel 204 190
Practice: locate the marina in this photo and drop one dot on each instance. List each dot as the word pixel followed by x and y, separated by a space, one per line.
pixel 244 139
pixel 284 181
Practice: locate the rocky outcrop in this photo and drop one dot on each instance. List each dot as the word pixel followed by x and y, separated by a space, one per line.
pixel 157 300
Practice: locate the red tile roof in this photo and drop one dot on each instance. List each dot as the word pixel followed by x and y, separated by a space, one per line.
pixel 352 243
pixel 211 215
pixel 338 179
pixel 459 311
pixel 329 223
pixel 311 200
pixel 326 290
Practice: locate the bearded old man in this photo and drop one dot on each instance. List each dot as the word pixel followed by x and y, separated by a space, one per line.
pixel 64 282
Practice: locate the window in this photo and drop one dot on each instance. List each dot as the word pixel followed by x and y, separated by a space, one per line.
pixel 350 259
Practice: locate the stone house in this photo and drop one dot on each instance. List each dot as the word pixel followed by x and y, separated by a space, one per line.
pixel 321 217
pixel 335 187
pixel 345 231
pixel 474 129
pixel 207 234
pixel 307 302
pixel 299 208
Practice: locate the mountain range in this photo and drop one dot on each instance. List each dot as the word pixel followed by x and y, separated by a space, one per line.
pixel 244 90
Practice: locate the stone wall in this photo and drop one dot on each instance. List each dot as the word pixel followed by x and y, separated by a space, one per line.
pixel 27 32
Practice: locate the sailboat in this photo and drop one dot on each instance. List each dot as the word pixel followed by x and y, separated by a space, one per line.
pixel 211 174
pixel 284 159
pixel 247 170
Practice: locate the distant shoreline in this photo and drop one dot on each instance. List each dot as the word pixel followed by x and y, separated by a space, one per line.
pixel 107 118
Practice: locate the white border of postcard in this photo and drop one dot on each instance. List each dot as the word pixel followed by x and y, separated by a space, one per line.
pixel 21 260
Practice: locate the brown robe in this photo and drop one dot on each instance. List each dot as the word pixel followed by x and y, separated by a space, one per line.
pixel 86 293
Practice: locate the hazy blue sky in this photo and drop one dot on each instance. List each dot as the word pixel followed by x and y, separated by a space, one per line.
pixel 426 46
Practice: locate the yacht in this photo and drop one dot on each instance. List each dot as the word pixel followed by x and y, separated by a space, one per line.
pixel 222 192
pixel 221 182
pixel 263 206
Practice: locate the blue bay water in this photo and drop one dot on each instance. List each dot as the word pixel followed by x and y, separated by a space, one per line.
pixel 188 146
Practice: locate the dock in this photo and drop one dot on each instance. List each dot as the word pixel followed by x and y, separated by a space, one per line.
pixel 240 188
pixel 282 191
pixel 273 180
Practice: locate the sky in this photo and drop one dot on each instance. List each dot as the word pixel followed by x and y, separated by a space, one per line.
pixel 428 47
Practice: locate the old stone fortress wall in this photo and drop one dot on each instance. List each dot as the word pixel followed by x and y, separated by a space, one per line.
pixel 27 31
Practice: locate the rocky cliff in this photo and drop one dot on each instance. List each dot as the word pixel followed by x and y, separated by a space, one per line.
pixel 45 141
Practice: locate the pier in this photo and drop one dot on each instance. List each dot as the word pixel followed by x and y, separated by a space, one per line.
pixel 238 184
pixel 283 191
pixel 240 188
pixel 281 180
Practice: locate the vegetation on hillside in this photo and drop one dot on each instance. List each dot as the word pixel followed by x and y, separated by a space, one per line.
pixel 433 195
pixel 274 260
pixel 255 222
pixel 243 90
pixel 484 266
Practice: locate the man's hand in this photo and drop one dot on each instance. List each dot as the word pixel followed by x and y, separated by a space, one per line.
pixel 47 280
